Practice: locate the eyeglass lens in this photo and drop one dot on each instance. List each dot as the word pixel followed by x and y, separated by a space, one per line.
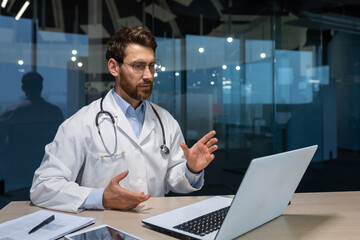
pixel 139 66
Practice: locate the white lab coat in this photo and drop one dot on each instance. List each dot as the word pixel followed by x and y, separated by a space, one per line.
pixel 73 166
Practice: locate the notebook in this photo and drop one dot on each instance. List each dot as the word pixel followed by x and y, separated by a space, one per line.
pixel 62 224
pixel 265 192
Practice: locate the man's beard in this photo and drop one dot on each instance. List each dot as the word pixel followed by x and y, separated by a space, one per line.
pixel 134 92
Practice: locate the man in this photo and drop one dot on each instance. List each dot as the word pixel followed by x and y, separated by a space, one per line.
pixel 107 155
pixel 25 129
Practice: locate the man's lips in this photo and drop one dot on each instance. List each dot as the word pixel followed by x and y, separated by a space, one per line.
pixel 146 86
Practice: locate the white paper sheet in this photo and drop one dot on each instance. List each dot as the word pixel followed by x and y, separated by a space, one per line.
pixel 63 224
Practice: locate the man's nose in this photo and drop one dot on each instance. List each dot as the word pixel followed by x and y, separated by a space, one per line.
pixel 148 73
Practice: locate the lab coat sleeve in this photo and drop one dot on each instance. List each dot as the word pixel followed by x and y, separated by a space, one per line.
pixel 54 183
pixel 176 178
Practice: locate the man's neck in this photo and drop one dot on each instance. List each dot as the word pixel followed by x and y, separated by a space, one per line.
pixel 133 102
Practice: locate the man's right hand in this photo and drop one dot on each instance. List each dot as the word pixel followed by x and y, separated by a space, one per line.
pixel 117 197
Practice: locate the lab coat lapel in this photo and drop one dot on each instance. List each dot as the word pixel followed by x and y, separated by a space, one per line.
pixel 149 122
pixel 120 119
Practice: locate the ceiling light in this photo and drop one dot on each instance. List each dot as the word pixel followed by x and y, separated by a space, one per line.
pixel 22 10
pixel 74 52
pixel 155 74
pixel 80 64
pixel 177 74
pixel 73 59
pixel 237 68
pixel 262 55
pixel 229 39
pixel 3 4
pixel 158 66
pixel 201 50
pixel 314 81
pixel 20 62
pixel 163 69
pixel 224 67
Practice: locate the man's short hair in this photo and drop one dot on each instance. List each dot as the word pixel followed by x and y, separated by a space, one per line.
pixel 117 44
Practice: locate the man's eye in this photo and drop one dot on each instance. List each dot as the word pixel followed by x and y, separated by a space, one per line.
pixel 139 65
pixel 152 65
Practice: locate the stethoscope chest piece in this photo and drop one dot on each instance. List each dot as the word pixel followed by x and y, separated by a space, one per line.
pixel 164 149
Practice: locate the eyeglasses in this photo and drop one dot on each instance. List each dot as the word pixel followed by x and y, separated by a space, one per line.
pixel 139 66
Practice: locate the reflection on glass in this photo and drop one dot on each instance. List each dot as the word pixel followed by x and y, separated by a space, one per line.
pixel 256 77
pixel 25 129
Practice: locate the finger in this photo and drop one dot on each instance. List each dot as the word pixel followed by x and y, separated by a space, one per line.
pixel 132 200
pixel 211 157
pixel 207 137
pixel 213 148
pixel 137 197
pixel 120 177
pixel 211 142
pixel 146 197
pixel 135 202
pixel 185 148
pixel 143 198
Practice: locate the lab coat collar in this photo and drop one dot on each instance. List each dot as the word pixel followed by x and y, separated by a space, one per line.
pixel 122 122
pixel 149 122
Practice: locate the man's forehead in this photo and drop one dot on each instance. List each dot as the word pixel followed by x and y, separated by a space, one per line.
pixel 134 50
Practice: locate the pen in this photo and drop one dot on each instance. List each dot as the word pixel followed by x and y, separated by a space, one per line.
pixel 43 223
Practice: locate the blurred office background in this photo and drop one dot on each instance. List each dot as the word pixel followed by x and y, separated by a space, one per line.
pixel 267 75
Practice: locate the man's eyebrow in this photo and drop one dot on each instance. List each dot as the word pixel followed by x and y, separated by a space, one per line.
pixel 140 60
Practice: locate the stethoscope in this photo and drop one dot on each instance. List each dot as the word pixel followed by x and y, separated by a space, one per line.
pixel 163 148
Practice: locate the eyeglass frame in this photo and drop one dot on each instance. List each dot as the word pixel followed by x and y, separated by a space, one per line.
pixel 156 65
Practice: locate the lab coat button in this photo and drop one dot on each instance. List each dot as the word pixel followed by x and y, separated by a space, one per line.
pixel 139 181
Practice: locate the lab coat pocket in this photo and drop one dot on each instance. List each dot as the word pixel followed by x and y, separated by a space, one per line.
pixel 101 169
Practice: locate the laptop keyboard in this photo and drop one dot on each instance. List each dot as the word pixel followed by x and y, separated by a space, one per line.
pixel 204 224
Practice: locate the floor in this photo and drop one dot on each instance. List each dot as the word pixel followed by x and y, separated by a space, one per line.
pixel 342 174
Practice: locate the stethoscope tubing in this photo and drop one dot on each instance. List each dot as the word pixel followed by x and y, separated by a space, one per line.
pixel 163 148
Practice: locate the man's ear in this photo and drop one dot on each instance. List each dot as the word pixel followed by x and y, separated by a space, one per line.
pixel 113 67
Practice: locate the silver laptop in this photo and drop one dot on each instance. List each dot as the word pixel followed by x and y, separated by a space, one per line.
pixel 263 195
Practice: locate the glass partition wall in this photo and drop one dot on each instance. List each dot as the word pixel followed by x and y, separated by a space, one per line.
pixel 268 76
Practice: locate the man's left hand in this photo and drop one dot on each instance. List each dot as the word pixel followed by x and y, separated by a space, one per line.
pixel 201 154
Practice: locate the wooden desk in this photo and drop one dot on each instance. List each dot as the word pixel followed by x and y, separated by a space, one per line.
pixel 312 216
